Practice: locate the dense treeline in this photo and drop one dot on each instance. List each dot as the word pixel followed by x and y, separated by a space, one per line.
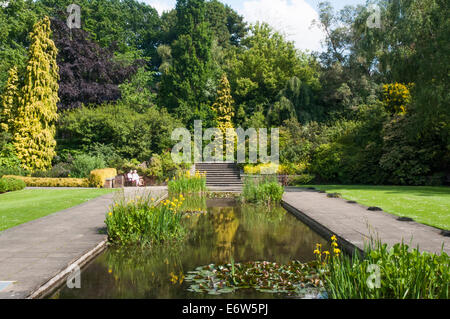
pixel 373 107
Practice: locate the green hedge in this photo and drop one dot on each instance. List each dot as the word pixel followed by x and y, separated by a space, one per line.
pixel 11 184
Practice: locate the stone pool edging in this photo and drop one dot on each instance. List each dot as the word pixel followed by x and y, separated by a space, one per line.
pixel 381 211
pixel 323 231
pixel 56 281
pixel 51 285
pixel 356 226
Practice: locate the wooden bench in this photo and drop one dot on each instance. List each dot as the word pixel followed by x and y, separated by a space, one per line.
pixel 129 182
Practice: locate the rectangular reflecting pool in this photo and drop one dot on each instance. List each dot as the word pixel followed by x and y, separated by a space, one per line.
pixel 226 231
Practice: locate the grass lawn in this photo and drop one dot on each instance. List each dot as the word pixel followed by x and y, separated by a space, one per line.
pixel 425 204
pixel 23 206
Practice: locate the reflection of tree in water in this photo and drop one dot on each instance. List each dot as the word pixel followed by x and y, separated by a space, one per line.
pixel 147 271
pixel 132 272
pixel 274 235
pixel 225 224
pixel 247 233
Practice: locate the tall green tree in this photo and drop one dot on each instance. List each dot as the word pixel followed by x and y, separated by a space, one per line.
pixel 409 47
pixel 227 26
pixel 34 127
pixel 296 100
pixel 259 72
pixel 131 26
pixel 190 82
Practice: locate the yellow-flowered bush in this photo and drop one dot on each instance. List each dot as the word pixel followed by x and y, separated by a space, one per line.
pixel 397 97
pixel 272 168
pixel 51 182
pixel 268 168
pixel 98 177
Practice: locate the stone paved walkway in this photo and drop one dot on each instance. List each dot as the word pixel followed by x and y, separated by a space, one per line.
pixel 34 252
pixel 354 224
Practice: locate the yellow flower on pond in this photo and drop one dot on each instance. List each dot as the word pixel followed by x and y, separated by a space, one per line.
pixel 337 251
pixel 110 214
pixel 316 252
pixel 333 238
pixel 326 252
pixel 174 278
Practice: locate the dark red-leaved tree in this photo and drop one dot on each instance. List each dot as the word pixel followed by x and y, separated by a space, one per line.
pixel 88 73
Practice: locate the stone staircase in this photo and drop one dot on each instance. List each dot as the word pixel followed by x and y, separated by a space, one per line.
pixel 220 174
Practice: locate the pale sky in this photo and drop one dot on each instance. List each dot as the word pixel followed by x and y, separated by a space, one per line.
pixel 291 17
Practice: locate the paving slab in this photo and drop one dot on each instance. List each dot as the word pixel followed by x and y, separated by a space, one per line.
pixel 33 253
pixel 355 225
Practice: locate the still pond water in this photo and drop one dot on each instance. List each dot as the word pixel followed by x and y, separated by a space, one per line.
pixel 228 231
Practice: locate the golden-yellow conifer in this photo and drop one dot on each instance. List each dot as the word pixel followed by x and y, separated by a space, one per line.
pixel 224 107
pixel 8 110
pixel 34 127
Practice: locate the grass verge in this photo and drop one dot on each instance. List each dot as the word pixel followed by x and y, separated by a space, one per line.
pixel 26 205
pixel 425 204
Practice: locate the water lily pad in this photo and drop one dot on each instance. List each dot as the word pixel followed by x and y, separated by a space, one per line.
pixel 294 279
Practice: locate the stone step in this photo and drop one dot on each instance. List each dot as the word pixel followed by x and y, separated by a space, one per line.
pixel 214 166
pixel 220 174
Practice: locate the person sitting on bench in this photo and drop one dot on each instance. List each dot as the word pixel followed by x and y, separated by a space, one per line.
pixel 129 177
pixel 136 178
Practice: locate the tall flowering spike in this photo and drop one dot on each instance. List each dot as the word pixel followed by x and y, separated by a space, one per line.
pixel 34 127
pixel 8 108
